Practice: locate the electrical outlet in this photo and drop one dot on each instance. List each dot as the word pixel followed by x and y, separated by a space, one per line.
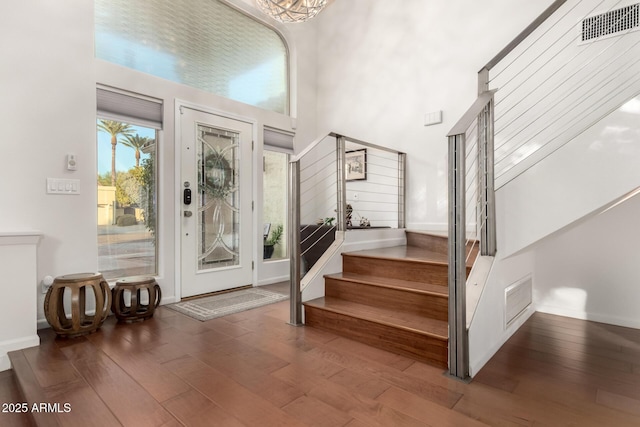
pixel 47 281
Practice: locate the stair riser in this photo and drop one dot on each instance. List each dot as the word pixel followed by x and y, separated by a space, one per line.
pixel 436 274
pixel 432 306
pixel 439 244
pixel 416 346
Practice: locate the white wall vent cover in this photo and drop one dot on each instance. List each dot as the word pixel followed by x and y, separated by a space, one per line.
pixel 517 298
pixel 611 23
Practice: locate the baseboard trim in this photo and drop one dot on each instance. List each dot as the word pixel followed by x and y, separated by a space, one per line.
pixel 13 345
pixel 593 317
pixel 272 280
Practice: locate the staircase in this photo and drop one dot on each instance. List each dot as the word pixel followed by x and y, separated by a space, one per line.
pixel 393 298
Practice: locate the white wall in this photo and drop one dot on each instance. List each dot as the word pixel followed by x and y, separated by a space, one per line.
pixel 597 167
pixel 382 65
pixel 48 109
pixel 17 307
pixel 591 270
pixel 488 332
pixel 552 87
pixel 583 262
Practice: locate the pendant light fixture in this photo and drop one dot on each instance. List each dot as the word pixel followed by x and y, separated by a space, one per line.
pixel 291 10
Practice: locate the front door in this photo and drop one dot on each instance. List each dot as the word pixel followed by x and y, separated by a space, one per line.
pixel 216 202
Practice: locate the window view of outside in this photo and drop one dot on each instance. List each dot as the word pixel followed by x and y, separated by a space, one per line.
pixel 126 199
pixel 275 205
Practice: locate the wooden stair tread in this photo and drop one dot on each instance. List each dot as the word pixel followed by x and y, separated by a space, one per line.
pixel 402 320
pixel 405 253
pixel 405 285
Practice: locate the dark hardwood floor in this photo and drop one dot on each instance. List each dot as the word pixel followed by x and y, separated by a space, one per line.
pixel 253 369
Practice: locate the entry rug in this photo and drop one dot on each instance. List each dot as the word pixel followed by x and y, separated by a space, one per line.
pixel 207 308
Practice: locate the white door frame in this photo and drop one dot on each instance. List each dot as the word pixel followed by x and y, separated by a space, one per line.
pixel 177 194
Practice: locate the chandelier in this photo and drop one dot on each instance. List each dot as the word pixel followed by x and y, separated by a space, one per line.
pixel 291 10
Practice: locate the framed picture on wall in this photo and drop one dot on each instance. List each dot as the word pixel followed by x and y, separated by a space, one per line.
pixel 356 165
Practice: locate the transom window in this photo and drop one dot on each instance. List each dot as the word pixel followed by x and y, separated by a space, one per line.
pixel 204 44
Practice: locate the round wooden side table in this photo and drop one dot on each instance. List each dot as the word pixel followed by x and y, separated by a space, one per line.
pixel 135 310
pixel 79 323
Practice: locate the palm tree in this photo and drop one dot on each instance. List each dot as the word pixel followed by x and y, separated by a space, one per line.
pixel 137 142
pixel 114 129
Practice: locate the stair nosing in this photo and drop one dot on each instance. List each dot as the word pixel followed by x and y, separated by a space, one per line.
pixel 374 320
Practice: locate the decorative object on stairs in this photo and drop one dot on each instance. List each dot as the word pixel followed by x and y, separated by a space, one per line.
pixel 348 213
pixel 80 322
pixel 219 305
pixel 288 11
pixel 273 239
pixel 136 310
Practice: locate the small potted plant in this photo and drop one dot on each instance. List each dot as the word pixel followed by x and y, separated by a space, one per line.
pixel 272 240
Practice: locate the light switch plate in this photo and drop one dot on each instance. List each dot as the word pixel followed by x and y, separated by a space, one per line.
pixel 63 186
pixel 433 118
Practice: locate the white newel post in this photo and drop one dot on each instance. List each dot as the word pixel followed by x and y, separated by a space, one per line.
pixel 18 293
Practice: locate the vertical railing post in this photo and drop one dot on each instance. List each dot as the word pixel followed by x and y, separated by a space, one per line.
pixel 402 189
pixel 341 203
pixel 486 185
pixel 295 300
pixel 458 338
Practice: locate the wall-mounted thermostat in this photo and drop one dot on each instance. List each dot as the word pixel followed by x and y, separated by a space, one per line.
pixel 72 163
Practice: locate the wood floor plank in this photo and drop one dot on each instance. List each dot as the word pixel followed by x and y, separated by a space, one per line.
pixel 582 398
pixel 314 412
pixel 50 366
pixel 31 388
pixel 258 370
pixel 151 375
pixel 426 411
pixel 290 351
pixel 232 397
pixel 343 399
pixel 86 407
pixel 366 385
pixel 128 401
pixel 374 354
pixel 425 389
pixel 237 350
pixel 497 407
pixel 194 410
pixel 614 352
pixel 619 402
pixel 10 393
pixel 582 366
pixel 255 379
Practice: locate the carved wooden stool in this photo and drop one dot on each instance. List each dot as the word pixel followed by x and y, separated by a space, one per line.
pixel 136 310
pixel 80 322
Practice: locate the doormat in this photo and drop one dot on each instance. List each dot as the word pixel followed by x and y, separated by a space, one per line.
pixel 207 308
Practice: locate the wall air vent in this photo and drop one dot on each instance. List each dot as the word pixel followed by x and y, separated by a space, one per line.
pixel 611 23
pixel 517 298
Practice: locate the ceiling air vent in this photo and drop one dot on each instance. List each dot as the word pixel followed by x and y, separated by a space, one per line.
pixel 611 23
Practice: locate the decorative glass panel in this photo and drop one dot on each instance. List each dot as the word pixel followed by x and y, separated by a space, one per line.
pixel 205 44
pixel 218 198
